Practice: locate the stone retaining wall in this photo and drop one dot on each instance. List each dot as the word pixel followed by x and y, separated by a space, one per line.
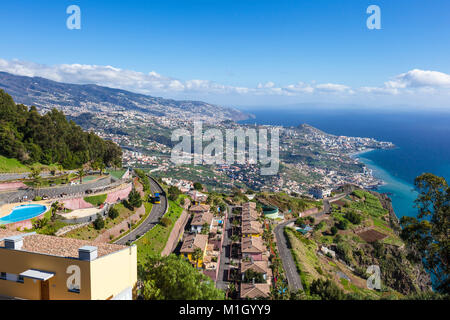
pixel 174 236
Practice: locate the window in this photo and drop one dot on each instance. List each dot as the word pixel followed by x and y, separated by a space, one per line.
pixel 74 289
pixel 11 277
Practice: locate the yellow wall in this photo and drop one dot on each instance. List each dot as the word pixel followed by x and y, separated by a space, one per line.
pixel 200 261
pixel 113 273
pixel 254 235
pixel 100 279
pixel 16 262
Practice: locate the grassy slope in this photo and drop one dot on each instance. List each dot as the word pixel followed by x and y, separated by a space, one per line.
pixel 96 200
pixel 90 233
pixel 154 241
pixel 12 166
pixel 8 165
pixel 311 266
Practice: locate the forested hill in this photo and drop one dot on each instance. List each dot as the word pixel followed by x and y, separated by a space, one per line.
pixel 50 139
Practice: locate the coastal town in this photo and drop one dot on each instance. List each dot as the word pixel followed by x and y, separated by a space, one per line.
pixel 309 156
pixel 234 233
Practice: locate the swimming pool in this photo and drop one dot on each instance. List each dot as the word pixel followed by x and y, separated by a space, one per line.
pixel 23 212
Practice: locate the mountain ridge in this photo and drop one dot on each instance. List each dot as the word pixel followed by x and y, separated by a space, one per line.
pixel 47 94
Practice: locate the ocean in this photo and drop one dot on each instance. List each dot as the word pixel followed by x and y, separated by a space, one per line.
pixel 422 139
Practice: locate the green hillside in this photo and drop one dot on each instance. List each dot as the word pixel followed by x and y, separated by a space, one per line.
pixel 32 138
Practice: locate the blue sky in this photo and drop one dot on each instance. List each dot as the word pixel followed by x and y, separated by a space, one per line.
pixel 238 52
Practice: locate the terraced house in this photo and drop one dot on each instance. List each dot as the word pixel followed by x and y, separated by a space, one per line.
pixel 251 229
pixel 40 267
pixel 253 248
pixel 190 244
pixel 200 220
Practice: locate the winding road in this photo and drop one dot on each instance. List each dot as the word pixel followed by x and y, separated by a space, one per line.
pixel 289 266
pixel 158 210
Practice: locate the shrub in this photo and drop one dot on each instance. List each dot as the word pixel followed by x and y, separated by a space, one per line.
pixel 300 222
pixel 353 217
pixel 40 223
pixel 326 290
pixel 342 225
pixel 333 230
pixel 166 222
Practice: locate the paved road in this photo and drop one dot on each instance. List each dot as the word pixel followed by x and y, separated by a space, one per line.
pixel 225 254
pixel 327 206
pixel 285 254
pixel 152 220
pixel 289 267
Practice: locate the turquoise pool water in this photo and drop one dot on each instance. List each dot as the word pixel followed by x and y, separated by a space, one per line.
pixel 24 212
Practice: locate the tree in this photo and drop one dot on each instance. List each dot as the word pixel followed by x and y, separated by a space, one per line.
pixel 197 255
pixel 251 275
pixel 342 224
pixel 40 223
pixel 99 223
pixel 198 186
pixel 55 207
pixel 113 213
pixel 300 222
pixel 173 278
pixel 428 234
pixel 35 177
pixel 205 228
pixel 102 167
pixel 50 138
pixel 134 199
pixel 174 193
pixel 222 206
pixel 80 174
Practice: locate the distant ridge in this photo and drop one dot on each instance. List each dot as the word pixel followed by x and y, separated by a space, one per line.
pixel 46 94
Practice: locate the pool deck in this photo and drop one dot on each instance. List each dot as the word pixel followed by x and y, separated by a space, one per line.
pixel 81 213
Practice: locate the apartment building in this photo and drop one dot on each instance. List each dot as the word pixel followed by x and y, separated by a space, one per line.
pixel 40 267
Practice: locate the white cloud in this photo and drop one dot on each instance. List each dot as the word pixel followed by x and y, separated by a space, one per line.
pixel 411 82
pixel 414 81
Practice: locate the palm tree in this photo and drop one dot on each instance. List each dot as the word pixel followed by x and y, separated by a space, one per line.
pixel 197 255
pixel 55 207
pixel 94 165
pixel 35 176
pixel 102 167
pixel 80 174
pixel 234 239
